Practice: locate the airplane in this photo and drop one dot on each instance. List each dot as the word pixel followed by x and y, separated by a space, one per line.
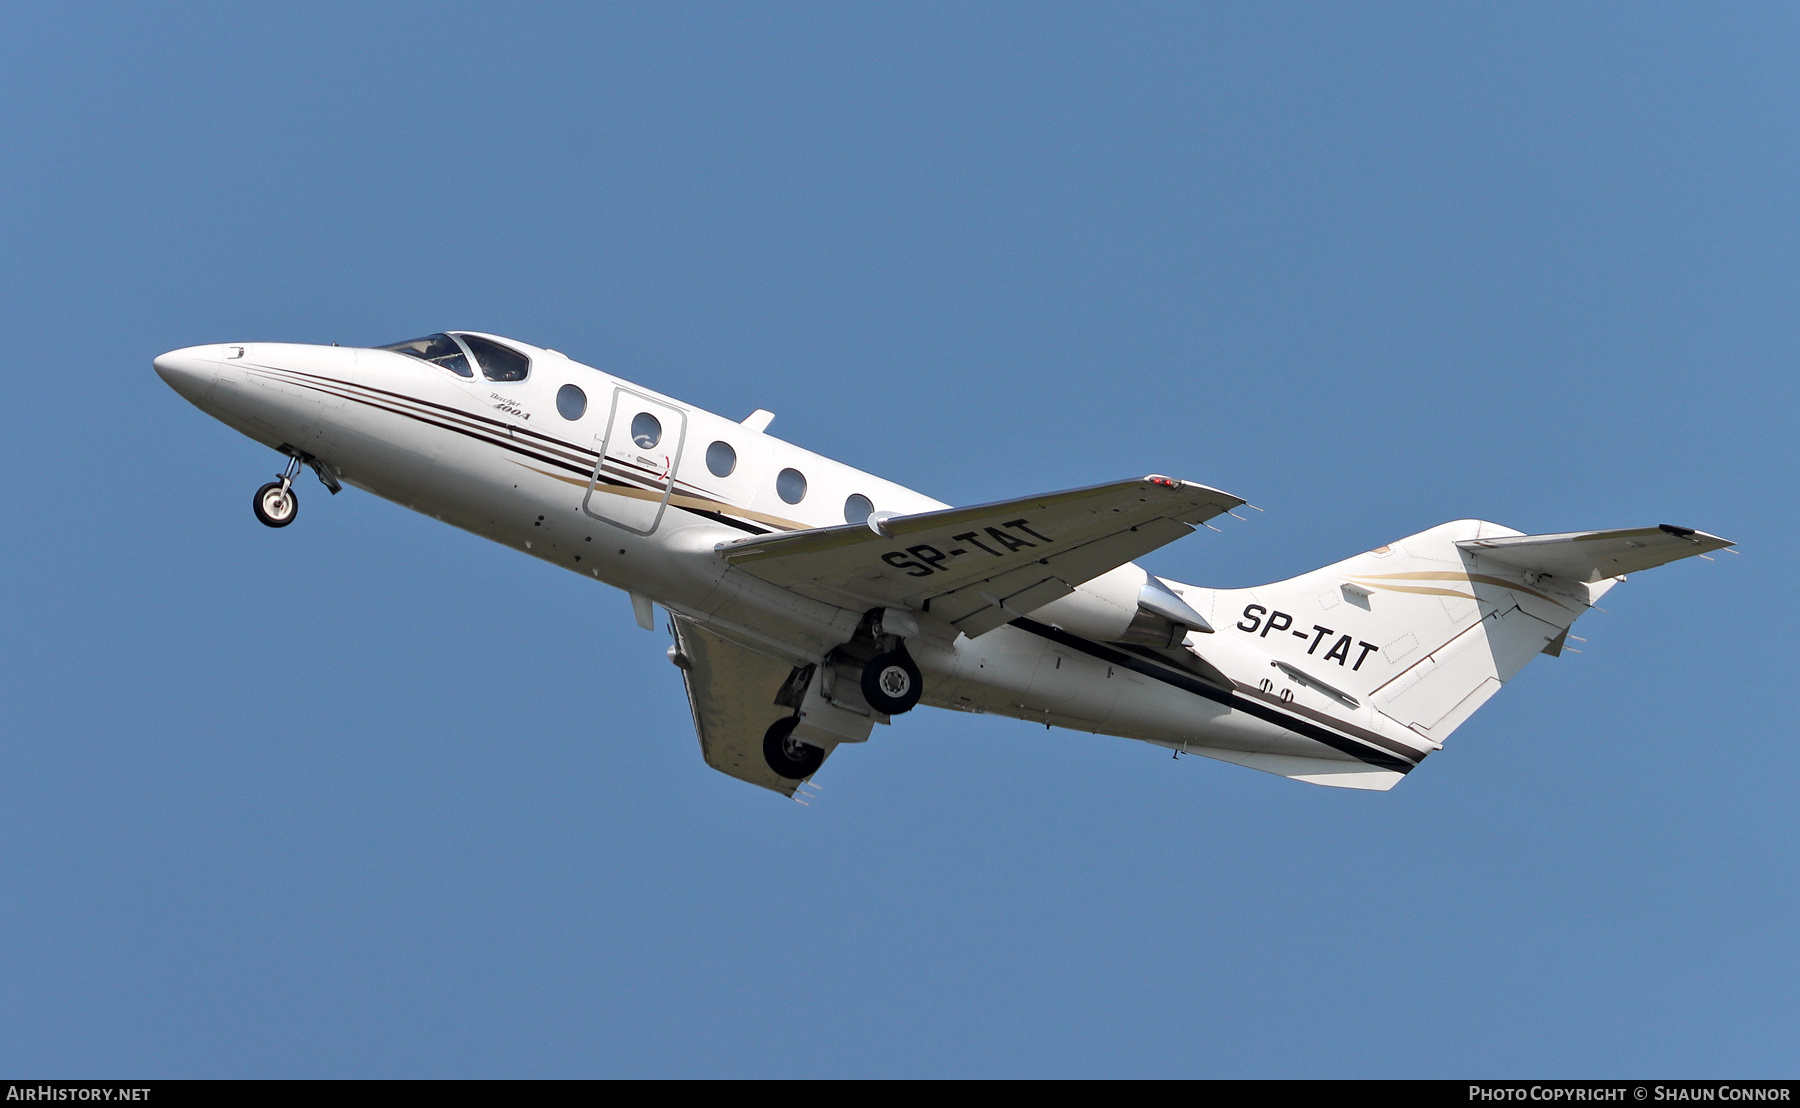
pixel 809 601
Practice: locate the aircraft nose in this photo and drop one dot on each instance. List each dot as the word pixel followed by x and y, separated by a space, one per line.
pixel 190 370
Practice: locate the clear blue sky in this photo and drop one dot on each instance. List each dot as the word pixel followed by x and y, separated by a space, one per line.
pixel 369 796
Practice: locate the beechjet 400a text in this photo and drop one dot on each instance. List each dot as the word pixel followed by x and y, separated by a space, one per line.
pixel 809 601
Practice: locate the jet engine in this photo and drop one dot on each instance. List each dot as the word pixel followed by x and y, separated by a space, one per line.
pixel 1125 605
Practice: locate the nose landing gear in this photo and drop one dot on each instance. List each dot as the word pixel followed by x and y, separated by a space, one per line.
pixel 276 503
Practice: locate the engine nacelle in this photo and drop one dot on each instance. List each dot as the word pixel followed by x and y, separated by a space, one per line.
pixel 1124 605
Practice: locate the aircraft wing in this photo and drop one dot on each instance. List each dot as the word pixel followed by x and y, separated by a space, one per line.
pixel 1596 555
pixel 978 568
pixel 732 690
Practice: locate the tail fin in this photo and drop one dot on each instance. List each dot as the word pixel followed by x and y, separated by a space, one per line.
pixel 1419 633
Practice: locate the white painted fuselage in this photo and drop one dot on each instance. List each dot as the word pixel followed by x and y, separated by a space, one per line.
pixel 566 483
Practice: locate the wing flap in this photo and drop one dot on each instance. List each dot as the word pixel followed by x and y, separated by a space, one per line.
pixel 978 611
pixel 1592 556
pixel 981 607
pixel 982 566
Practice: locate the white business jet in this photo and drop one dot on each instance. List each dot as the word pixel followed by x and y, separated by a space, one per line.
pixel 809 601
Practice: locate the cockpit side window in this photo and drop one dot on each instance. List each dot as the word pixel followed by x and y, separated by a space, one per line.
pixel 498 363
pixel 439 350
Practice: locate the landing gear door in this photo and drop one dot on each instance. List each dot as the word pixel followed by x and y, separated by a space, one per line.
pixel 640 453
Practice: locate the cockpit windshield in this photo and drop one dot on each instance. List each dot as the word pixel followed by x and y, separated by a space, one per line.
pixel 439 350
pixel 498 363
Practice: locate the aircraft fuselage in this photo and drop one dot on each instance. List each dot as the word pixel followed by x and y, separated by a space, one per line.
pixel 623 485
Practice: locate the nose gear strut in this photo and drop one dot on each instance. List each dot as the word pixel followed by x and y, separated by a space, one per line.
pixel 276 503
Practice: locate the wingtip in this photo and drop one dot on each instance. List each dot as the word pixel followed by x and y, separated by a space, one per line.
pixel 1163 481
pixel 1713 542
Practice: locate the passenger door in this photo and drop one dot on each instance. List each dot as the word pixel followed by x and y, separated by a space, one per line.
pixel 640 451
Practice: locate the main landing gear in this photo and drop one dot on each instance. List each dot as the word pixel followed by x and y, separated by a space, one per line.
pixel 276 503
pixel 788 756
pixel 891 682
pixel 874 663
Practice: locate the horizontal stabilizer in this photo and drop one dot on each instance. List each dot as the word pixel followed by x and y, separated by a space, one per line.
pixel 1314 771
pixel 1399 646
pixel 978 568
pixel 1592 556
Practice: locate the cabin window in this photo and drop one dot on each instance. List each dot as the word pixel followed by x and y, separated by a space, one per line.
pixel 721 459
pixel 791 485
pixel 646 430
pixel 498 363
pixel 440 350
pixel 571 402
pixel 857 509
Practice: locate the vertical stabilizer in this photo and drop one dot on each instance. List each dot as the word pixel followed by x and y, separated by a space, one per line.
pixel 1421 632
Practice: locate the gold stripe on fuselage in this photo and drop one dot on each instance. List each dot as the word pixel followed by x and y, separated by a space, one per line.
pixel 692 503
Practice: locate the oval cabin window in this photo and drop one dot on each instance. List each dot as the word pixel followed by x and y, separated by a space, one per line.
pixel 721 459
pixel 791 485
pixel 646 430
pixel 857 509
pixel 571 402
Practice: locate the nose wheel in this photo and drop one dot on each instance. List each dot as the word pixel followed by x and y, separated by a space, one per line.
pixel 276 503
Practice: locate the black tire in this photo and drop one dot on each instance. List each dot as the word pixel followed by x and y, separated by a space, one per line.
pixel 271 514
pixel 788 757
pixel 891 683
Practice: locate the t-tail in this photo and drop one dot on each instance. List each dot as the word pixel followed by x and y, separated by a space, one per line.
pixel 1395 648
